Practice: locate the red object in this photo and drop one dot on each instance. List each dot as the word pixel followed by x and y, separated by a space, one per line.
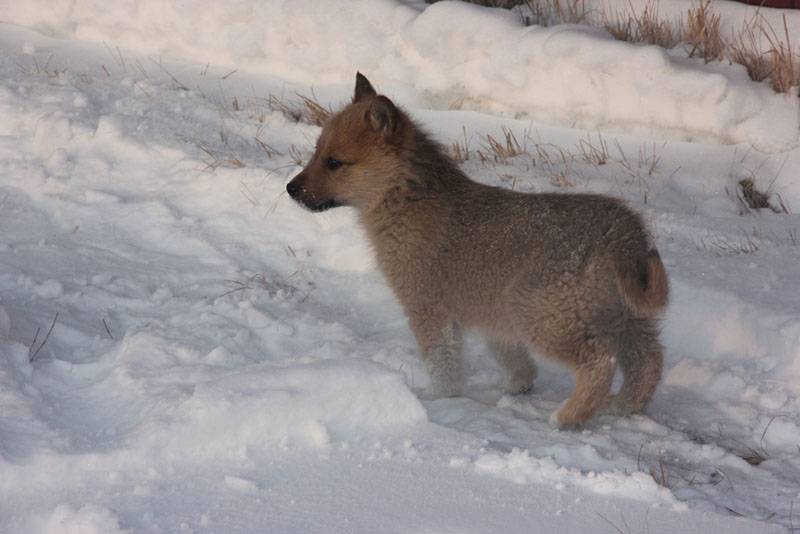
pixel 785 4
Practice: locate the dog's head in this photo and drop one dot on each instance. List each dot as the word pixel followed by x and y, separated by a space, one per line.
pixel 356 155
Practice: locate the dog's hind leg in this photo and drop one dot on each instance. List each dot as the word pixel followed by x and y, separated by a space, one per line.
pixel 641 360
pixel 594 373
pixel 517 363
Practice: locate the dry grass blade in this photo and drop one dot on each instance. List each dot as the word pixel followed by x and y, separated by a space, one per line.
pixel 276 104
pixel 594 154
pixel 269 150
pixel 313 112
pixel 296 156
pixel 218 160
pixel 556 163
pixel 502 149
pixel 621 28
pixel 660 476
pixel 308 110
pixel 728 246
pixel 108 330
pixel 615 526
pixel 33 353
pixel 459 151
pixel 176 83
pixel 649 159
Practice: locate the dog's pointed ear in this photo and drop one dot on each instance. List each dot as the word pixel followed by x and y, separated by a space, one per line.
pixel 363 88
pixel 382 116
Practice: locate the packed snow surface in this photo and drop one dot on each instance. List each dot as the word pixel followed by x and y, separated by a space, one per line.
pixel 183 348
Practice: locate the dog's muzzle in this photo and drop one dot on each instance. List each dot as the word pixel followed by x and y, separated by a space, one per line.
pixel 297 193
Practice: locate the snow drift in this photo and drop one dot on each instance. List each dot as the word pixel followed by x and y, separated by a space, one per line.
pixel 454 55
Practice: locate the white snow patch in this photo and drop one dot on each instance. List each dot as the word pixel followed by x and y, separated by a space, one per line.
pixel 242 485
pixel 88 519
pixel 49 289
pixel 518 466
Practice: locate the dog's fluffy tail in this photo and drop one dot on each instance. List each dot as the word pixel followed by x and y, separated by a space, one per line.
pixel 643 284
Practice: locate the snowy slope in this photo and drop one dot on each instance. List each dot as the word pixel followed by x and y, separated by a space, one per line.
pixel 224 361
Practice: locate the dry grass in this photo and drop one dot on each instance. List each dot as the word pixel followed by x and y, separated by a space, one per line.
pixel 659 472
pixel 645 27
pixel 503 149
pixel 312 111
pixel 617 528
pixel 744 50
pixel 751 196
pixel 552 12
pixel 721 245
pixel 214 160
pixel 777 61
pixel 785 67
pixel 269 150
pixel 459 151
pixel 296 155
pixel 702 32
pixel 556 162
pixel 593 152
pixel 660 475
pixel 307 109
pixel 224 156
pixel 753 457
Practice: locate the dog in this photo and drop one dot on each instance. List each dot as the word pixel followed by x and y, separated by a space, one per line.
pixel 572 277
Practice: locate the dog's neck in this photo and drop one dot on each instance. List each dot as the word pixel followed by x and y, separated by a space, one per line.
pixel 426 183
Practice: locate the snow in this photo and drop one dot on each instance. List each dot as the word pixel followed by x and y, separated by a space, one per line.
pixel 484 60
pixel 224 361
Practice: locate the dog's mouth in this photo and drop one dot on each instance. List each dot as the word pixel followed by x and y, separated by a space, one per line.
pixel 323 206
pixel 299 194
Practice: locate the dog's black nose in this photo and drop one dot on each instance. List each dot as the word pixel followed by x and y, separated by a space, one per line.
pixel 292 188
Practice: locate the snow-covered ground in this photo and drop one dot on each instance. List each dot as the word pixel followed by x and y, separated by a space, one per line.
pixel 221 360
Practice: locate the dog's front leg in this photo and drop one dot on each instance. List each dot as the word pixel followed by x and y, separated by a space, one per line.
pixel 439 339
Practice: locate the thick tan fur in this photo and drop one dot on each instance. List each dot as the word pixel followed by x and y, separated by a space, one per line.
pixel 572 277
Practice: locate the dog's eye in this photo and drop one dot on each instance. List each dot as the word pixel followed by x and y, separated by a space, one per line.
pixel 333 163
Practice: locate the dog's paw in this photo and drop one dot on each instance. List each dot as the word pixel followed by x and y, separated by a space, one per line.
pixel 554 421
pixel 559 422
